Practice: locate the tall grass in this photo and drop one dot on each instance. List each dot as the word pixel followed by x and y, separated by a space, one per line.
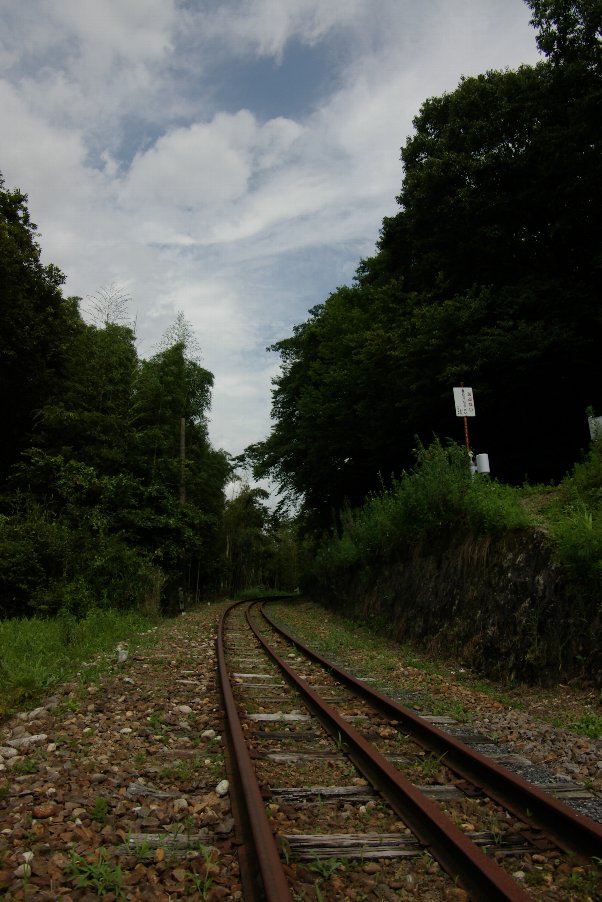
pixel 574 516
pixel 36 655
pixel 438 494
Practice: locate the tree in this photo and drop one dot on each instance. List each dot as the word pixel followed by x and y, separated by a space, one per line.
pixel 501 184
pixel 488 275
pixel 109 306
pixel 90 466
pixel 89 416
pixel 36 325
pixel 260 548
pixel 183 538
pixel 181 332
pixel 569 30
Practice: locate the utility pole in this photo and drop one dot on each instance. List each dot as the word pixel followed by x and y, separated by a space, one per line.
pixel 182 460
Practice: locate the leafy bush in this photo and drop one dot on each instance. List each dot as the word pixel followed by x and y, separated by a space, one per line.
pixel 574 514
pixel 438 494
pixel 586 478
pixel 51 562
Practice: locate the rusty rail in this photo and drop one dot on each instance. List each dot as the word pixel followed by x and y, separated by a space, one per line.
pixel 570 830
pixel 458 856
pixel 264 853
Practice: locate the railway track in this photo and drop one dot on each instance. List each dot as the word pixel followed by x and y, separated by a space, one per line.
pixel 339 791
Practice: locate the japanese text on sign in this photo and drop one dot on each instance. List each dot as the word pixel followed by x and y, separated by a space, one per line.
pixel 464 402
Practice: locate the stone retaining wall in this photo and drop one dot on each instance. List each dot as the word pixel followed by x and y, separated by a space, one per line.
pixel 500 604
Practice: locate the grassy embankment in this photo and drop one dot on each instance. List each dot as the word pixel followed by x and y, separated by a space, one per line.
pixel 439 494
pixel 36 654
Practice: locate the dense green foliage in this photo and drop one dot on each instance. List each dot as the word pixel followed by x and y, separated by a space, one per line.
pixel 573 515
pixel 488 276
pixel 437 495
pixel 111 495
pixel 36 323
pixel 569 30
pixel 260 548
pixel 110 492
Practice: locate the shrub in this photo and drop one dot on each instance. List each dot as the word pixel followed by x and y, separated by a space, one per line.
pixel 574 515
pixel 438 494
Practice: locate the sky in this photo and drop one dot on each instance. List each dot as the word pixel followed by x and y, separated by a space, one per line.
pixel 228 159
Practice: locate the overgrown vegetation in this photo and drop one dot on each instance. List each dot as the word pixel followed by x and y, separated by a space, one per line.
pixel 437 494
pixel 111 495
pixel 260 547
pixel 110 491
pixel 96 874
pixel 573 513
pixel 36 655
pixel 440 494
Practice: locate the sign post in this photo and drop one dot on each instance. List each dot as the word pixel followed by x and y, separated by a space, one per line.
pixel 464 402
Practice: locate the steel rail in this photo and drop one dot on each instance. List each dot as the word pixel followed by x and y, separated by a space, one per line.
pixel 265 851
pixel 571 830
pixel 460 858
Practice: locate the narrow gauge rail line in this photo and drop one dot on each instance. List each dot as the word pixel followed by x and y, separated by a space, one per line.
pixel 462 859
pixel 459 856
pixel 570 830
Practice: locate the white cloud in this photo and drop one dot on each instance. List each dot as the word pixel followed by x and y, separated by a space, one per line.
pixel 45 156
pixel 265 26
pixel 114 30
pixel 239 414
pixel 196 166
pixel 136 175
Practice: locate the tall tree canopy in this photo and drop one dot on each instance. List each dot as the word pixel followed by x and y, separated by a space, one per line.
pixel 36 324
pixel 489 275
pixel 109 486
pixel 569 30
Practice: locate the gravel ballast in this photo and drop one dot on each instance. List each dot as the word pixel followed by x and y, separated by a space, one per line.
pixel 117 787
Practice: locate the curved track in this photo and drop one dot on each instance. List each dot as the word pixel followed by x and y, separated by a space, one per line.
pixel 543 820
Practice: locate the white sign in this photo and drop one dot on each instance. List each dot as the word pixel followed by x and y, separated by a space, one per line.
pixel 595 428
pixel 464 402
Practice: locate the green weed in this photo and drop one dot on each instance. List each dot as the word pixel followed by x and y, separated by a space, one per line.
pixel 97 875
pixel 584 882
pixel 588 725
pixel 27 766
pixel 444 707
pixel 200 884
pixel 431 765
pixel 534 878
pixel 144 851
pixel 180 771
pixel 100 810
pixel 325 867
